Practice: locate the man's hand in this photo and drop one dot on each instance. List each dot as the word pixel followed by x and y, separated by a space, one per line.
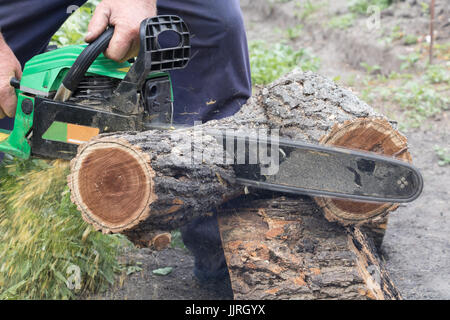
pixel 9 67
pixel 126 16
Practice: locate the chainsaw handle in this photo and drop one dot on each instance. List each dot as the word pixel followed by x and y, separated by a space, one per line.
pixel 86 58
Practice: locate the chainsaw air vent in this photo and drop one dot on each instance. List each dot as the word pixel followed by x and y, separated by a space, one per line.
pixel 94 90
pixel 167 43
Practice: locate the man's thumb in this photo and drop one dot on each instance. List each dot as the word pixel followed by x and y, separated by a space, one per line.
pixel 98 24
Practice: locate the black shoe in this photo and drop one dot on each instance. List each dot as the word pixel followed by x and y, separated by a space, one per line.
pixel 202 238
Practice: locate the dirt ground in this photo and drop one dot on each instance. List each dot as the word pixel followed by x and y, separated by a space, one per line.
pixel 416 248
pixel 180 284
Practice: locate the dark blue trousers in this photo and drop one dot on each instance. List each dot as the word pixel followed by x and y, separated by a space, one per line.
pixel 215 84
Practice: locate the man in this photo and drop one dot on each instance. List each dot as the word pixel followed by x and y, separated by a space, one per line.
pixel 215 84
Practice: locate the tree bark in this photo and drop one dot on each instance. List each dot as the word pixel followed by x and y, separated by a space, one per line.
pixel 281 247
pixel 138 182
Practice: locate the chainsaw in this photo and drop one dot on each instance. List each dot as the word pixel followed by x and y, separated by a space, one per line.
pixel 69 95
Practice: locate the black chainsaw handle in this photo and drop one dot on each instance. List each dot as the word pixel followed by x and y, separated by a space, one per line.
pixel 86 58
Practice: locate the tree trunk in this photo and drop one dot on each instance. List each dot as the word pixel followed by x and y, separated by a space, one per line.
pixel 283 248
pixel 139 182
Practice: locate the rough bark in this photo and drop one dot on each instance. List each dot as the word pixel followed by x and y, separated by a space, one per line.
pixel 283 248
pixel 138 182
pixel 154 180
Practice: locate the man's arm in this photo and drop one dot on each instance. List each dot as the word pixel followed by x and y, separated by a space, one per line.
pixel 126 16
pixel 9 67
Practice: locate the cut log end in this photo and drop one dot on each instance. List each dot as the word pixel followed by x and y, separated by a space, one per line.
pixel 112 185
pixel 375 135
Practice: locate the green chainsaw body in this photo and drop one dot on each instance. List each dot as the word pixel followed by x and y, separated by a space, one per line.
pixel 44 73
pixel 54 123
pixel 42 76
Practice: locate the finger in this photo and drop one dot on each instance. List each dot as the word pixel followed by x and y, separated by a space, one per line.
pixel 18 70
pixel 98 23
pixel 120 45
pixel 134 50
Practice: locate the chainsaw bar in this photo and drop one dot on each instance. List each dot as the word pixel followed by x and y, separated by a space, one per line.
pixel 316 170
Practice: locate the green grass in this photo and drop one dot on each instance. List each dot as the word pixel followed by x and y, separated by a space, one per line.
pixel 443 155
pixel 342 22
pixel 442 51
pixel 370 69
pixel 361 6
pixel 271 61
pixel 425 7
pixel 419 99
pixel 43 240
pixel 398 34
pixel 437 74
pixel 307 9
pixel 293 33
pixel 410 39
pixel 177 240
pixel 410 60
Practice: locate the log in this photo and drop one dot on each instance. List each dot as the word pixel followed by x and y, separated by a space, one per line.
pixel 139 182
pixel 135 183
pixel 281 247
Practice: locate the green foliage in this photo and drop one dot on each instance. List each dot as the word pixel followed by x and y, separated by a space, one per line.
pixel 75 28
pixel 294 32
pixel 134 268
pixel 342 22
pixel 443 155
pixel 425 7
pixel 442 51
pixel 418 99
pixel 177 240
pixel 420 95
pixel 410 39
pixel 307 8
pixel 163 271
pixel 409 61
pixel 269 62
pixel 398 34
pixel 43 239
pixel 361 6
pixel 437 74
pixel 370 69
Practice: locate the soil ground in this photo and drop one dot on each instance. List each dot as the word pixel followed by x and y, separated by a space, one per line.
pixel 180 284
pixel 416 247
